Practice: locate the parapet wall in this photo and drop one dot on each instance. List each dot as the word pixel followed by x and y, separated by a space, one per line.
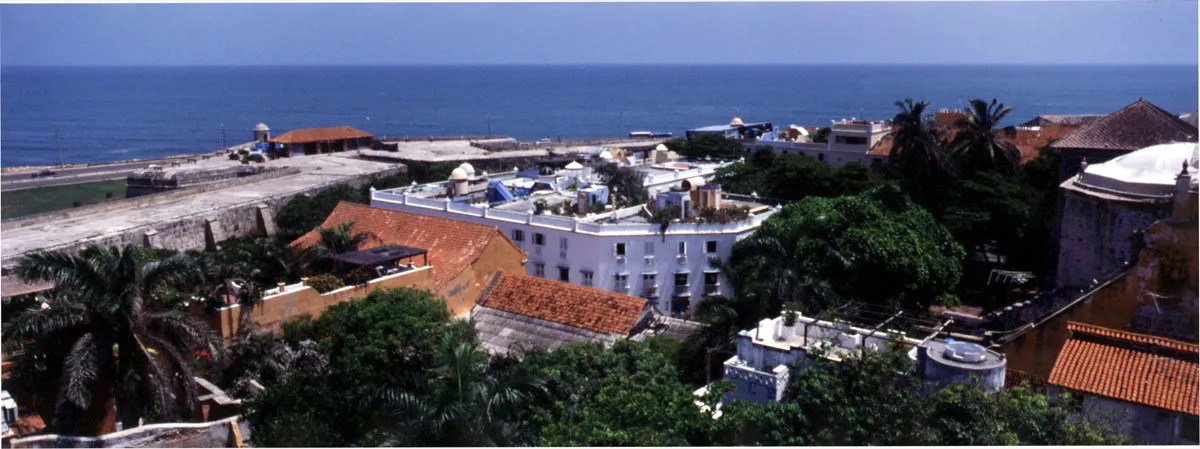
pixel 229 432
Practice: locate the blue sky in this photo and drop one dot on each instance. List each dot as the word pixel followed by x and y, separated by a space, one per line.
pixel 1142 32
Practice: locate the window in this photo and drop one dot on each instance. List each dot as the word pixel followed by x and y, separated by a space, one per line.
pixel 564 274
pixel 710 246
pixel 539 239
pixel 648 279
pixel 620 249
pixel 518 235
pixel 710 278
pixel 681 279
pixel 587 277
pixel 562 243
pixel 821 157
pixel 621 282
pixel 539 270
pixel 682 248
pixel 648 248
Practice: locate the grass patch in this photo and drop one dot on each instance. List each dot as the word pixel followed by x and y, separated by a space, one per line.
pixel 19 203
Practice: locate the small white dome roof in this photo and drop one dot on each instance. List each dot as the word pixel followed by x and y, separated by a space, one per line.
pixel 661 147
pixel 261 127
pixel 606 155
pixel 1148 171
pixel 737 121
pixel 458 174
pixel 467 168
pixel 574 165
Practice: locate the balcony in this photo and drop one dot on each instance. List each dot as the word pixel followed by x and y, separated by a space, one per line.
pixel 681 258
pixel 537 249
pixel 620 260
pixel 714 261
pixel 683 290
pixel 650 292
pixel 649 260
pixel 712 289
pixel 562 254
pixel 621 287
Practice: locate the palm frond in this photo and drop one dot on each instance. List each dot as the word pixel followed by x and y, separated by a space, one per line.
pixel 81 367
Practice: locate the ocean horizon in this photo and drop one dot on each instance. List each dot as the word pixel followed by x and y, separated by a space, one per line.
pixel 110 113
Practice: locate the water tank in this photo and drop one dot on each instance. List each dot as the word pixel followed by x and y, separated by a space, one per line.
pixel 950 361
pixel 468 169
pixel 261 132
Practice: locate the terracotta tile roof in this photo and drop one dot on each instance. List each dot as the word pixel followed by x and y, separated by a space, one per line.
pixel 1014 378
pixel 296 136
pixel 1028 142
pixel 563 303
pixel 453 245
pixel 1134 127
pixel 1141 369
pixel 28 424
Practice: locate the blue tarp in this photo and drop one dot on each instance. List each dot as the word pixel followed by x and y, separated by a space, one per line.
pixel 497 192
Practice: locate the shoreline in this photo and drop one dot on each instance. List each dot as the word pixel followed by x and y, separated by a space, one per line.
pixel 30 168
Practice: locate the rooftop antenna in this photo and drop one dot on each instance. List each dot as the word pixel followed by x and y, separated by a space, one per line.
pixel 489 121
pixel 223 145
pixel 58 144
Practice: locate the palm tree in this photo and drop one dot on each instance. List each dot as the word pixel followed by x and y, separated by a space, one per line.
pixel 469 402
pixel 978 145
pixel 340 239
pixel 111 336
pixel 916 146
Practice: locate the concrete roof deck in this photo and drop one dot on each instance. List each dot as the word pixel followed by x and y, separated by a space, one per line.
pixel 458 150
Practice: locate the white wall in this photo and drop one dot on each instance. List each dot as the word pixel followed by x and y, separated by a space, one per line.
pixel 591 247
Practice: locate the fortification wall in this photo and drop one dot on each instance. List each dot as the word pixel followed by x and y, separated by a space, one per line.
pixel 224 433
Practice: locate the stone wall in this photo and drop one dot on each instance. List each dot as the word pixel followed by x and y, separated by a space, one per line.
pixel 1096 235
pixel 147 182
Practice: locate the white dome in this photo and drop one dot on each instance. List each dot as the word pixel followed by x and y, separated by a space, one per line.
pixel 467 168
pixel 261 127
pixel 458 174
pixel 661 147
pixel 606 155
pixel 574 165
pixel 737 121
pixel 1148 171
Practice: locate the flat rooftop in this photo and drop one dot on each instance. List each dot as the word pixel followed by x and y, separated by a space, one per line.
pixel 461 150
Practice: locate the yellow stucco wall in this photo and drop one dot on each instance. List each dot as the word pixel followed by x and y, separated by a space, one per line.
pixel 464 290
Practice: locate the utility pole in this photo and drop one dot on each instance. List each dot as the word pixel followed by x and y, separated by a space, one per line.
pixel 489 120
pixel 58 144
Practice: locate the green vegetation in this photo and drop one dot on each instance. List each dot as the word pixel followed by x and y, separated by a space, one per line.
pixel 17 203
pixel 792 177
pixel 876 247
pixel 111 336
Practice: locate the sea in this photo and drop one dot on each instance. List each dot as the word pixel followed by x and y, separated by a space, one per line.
pixel 104 114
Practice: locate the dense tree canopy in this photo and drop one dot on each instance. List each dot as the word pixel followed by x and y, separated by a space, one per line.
pixel 703 146
pixel 792 177
pixel 876 247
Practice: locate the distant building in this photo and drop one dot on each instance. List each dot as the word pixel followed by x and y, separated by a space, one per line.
pixel 848 141
pixel 1148 385
pixel 767 354
pixel 736 129
pixel 519 313
pixel 1103 210
pixel 1137 126
pixel 1073 120
pixel 321 140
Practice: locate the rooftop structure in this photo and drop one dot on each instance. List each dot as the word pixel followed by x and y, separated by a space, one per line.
pixel 1139 125
pixel 766 355
pixel 521 312
pixel 1154 381
pixel 462 255
pixel 1077 120
pixel 1108 204
pixel 573 233
pixel 736 129
pixel 322 140
pixel 849 140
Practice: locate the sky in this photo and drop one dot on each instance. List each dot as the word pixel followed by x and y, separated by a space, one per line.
pixel 1105 32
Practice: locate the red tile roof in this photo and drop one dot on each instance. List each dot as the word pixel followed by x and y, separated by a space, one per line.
pixel 1134 127
pixel 559 302
pixel 453 245
pixel 1141 369
pixel 297 136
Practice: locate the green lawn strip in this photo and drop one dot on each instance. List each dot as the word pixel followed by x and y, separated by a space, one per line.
pixel 19 203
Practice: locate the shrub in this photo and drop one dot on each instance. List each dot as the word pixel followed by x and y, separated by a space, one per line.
pixel 325 283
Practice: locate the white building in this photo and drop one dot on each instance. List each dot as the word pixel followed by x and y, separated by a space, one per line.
pixel 767 354
pixel 616 250
pixel 848 141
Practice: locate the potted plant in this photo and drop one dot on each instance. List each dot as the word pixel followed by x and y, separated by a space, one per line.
pixel 789 321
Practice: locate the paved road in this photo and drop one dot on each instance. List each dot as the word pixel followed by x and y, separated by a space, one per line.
pixel 66 176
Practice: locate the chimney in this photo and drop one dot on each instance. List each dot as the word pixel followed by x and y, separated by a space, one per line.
pixel 1184 206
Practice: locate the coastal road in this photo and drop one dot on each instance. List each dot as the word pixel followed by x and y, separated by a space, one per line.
pixel 78 175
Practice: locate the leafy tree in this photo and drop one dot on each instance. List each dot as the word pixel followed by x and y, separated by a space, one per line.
pixel 628 395
pixel 385 341
pixel 109 337
pixel 876 246
pixel 702 146
pixel 627 182
pixel 990 210
pixel 977 145
pixel 303 213
pixel 792 177
pixel 340 239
